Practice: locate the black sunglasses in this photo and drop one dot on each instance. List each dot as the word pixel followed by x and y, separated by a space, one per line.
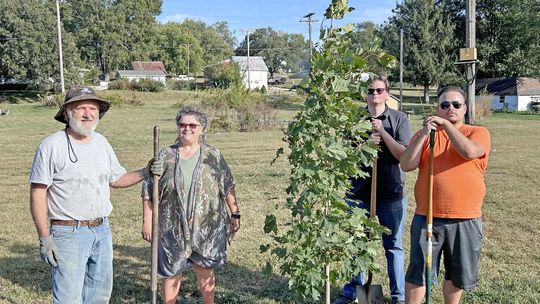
pixel 370 91
pixel 446 104
pixel 190 125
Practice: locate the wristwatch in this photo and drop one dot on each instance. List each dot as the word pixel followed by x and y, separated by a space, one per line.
pixel 235 215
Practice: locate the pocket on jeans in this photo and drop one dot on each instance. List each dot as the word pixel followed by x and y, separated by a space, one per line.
pixel 63 232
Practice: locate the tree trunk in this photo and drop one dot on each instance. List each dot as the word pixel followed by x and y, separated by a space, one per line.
pixel 327 283
pixel 426 93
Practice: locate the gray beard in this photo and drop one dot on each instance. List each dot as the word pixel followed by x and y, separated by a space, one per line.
pixel 77 127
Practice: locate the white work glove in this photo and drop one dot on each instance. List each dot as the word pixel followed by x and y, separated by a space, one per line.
pixel 48 250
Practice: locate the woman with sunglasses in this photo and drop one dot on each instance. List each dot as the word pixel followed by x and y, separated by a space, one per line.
pixel 461 155
pixel 195 189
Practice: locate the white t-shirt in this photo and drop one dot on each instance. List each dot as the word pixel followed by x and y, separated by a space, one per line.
pixel 76 190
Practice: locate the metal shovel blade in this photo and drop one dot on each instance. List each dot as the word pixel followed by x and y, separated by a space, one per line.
pixel 369 294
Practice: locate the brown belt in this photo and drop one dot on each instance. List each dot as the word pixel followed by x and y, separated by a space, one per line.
pixel 90 223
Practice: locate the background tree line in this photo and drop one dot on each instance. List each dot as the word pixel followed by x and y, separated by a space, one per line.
pixel 507 39
pixel 103 36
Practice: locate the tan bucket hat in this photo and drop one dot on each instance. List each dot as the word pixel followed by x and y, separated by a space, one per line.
pixel 80 93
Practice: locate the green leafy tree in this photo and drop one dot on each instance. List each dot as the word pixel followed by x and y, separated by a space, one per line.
pixel 173 42
pixel 507 38
pixel 364 34
pixel 365 39
pixel 223 31
pixel 225 76
pixel 29 47
pixel 428 42
pixel 506 35
pixel 279 49
pixel 328 142
pixel 298 59
pixel 216 40
pixel 111 34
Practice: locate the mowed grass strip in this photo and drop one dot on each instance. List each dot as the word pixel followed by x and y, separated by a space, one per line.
pixel 510 264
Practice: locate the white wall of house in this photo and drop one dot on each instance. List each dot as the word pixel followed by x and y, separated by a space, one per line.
pixel 510 103
pixel 258 79
pixel 137 78
pixel 524 102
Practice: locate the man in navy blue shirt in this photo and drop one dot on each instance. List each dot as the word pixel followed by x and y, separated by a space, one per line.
pixel 391 130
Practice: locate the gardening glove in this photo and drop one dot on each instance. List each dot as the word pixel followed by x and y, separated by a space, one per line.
pixel 48 250
pixel 154 167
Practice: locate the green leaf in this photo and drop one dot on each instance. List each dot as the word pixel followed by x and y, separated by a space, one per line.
pixel 279 252
pixel 270 224
pixel 267 270
pixel 279 152
pixel 263 248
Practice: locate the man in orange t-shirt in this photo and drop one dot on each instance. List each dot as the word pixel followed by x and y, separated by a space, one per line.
pixel 460 159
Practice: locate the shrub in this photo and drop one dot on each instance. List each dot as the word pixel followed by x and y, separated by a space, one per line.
pixel 53 101
pixel 115 99
pixel 224 76
pixel 247 118
pixel 149 85
pixel 91 76
pixel 120 84
pixel 182 85
pixel 482 107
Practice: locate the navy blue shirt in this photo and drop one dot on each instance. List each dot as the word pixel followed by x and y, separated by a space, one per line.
pixel 390 178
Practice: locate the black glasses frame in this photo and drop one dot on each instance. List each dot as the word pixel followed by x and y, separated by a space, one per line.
pixel 190 125
pixel 379 91
pixel 446 104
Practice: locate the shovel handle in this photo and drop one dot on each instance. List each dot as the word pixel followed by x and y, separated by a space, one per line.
pixel 155 202
pixel 429 220
pixel 373 199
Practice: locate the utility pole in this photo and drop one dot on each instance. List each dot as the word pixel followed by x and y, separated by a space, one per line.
pixel 401 69
pixel 61 63
pixel 187 47
pixel 470 41
pixel 309 21
pixel 248 61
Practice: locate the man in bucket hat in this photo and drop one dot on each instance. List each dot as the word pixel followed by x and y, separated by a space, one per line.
pixel 70 181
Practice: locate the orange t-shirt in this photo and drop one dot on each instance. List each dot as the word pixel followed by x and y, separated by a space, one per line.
pixel 458 183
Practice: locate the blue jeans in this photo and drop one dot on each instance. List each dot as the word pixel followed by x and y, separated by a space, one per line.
pixel 84 272
pixel 391 215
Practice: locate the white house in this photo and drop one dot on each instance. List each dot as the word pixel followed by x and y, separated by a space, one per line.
pixel 513 94
pixel 258 71
pixel 132 75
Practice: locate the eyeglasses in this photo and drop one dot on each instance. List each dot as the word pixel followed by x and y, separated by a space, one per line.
pixel 446 104
pixel 190 125
pixel 379 91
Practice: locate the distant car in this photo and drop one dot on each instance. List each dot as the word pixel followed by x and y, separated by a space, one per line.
pixel 277 80
pixel 183 78
pixel 7 80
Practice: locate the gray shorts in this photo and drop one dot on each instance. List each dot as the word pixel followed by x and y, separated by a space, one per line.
pixel 458 240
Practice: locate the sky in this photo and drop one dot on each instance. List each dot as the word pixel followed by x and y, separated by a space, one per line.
pixel 281 15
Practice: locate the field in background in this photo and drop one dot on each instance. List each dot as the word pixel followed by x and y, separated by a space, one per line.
pixel 510 259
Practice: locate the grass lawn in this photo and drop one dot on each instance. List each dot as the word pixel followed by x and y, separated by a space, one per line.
pixel 510 265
